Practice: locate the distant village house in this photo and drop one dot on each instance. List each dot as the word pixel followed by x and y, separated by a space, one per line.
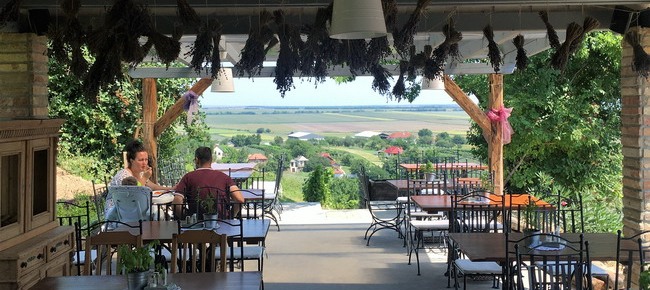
pixel 297 164
pixel 257 158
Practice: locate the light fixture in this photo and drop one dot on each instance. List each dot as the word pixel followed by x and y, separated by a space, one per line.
pixel 357 19
pixel 433 84
pixel 224 82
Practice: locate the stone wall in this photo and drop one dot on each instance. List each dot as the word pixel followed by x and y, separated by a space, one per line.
pixel 23 76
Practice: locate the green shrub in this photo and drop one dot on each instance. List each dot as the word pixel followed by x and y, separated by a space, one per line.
pixel 317 186
pixel 344 194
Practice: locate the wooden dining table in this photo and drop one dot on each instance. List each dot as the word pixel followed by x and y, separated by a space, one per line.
pixel 186 281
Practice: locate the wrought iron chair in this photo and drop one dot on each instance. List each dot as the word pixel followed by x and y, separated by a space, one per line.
pixel 79 217
pixel 625 255
pixel 477 211
pixel 383 208
pixel 547 261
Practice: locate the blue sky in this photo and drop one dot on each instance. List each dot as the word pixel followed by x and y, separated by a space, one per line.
pixel 262 92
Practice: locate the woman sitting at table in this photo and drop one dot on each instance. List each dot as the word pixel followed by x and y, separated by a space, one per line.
pixel 138 167
pixel 204 176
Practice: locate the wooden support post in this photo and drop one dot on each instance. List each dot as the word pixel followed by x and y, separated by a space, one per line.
pixel 149 117
pixel 474 112
pixel 177 108
pixel 495 138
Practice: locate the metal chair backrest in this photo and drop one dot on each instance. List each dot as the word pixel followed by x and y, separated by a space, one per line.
pixel 100 192
pixel 477 211
pixel 79 217
pixel 630 250
pixel 132 203
pixel 568 214
pixel 548 261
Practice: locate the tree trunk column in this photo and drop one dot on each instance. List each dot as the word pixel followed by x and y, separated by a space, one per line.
pixel 495 139
pixel 149 117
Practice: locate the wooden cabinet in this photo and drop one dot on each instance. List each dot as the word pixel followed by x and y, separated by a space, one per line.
pixel 46 255
pixel 32 245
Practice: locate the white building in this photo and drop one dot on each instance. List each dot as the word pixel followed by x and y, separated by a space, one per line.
pixel 217 153
pixel 297 164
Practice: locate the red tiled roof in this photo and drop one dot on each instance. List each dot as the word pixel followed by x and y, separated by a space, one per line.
pixel 257 156
pixel 394 150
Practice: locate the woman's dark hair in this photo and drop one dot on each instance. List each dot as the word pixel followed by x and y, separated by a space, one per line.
pixel 132 148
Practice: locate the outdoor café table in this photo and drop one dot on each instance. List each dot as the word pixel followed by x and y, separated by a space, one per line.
pixel 237 171
pixel 433 203
pixel 186 281
pixel 254 230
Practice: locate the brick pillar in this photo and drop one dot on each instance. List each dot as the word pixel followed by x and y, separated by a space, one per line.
pixel 23 76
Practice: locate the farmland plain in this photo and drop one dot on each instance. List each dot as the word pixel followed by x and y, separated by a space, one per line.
pixel 337 122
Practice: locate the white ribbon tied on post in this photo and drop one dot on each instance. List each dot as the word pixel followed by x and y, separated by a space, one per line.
pixel 191 105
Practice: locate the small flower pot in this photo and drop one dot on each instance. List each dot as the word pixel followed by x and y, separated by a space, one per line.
pixel 210 221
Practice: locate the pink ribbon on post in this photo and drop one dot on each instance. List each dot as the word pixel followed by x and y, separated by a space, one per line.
pixel 501 115
pixel 191 105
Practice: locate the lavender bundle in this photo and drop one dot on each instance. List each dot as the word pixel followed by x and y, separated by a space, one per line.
pixel 186 13
pixel 641 59
pixel 288 59
pixel 399 89
pixel 522 58
pixel 380 82
pixel 449 47
pixel 561 56
pixel 167 48
pixel 553 39
pixel 311 58
pixel 201 50
pixel 254 51
pixel 494 54
pixel 589 24
pixel 355 56
pixel 215 58
pixel 404 39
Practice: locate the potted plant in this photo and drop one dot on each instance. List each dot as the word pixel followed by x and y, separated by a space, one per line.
pixel 135 264
pixel 209 204
pixel 428 171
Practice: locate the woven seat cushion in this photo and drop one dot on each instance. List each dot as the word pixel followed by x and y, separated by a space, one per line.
pixel 469 267
pixel 82 257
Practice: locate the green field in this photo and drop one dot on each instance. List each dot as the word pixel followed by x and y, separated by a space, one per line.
pixel 225 123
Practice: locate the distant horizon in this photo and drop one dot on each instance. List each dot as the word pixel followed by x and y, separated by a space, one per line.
pixel 454 106
pixel 262 92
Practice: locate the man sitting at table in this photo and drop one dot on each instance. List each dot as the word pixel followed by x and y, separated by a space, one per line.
pixel 203 176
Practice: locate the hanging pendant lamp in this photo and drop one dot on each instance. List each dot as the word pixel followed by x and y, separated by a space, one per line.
pixel 433 84
pixel 224 82
pixel 357 19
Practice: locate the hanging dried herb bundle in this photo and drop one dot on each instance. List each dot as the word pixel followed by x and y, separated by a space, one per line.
pixel 494 54
pixel 378 49
pixel 288 59
pixel 522 57
pixel 589 24
pixel 105 70
pixel 641 59
pixel 561 56
pixel 71 7
pixel 10 12
pixel 68 38
pixel 201 50
pixel 449 47
pixel 404 39
pixel 127 21
pixel 311 56
pixel 399 89
pixel 215 59
pixel 355 56
pixel 330 47
pixel 390 14
pixel 57 47
pixel 430 68
pixel 187 14
pixel 253 53
pixel 553 39
pixel 380 81
pixel 167 48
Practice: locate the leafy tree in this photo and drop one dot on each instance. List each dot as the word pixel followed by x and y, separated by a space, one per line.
pixel 267 130
pixel 246 140
pixel 425 140
pixel 315 162
pixel 458 140
pixel 259 130
pixel 299 147
pixel 344 194
pixel 445 143
pixel 277 140
pixel 443 135
pixel 567 126
pixel 317 186
pixel 425 132
pixel 234 155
